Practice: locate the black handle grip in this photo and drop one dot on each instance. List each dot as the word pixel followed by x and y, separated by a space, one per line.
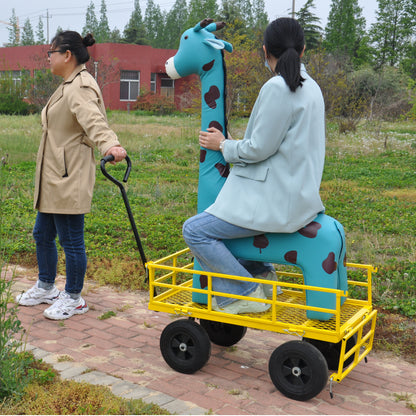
pixel 110 158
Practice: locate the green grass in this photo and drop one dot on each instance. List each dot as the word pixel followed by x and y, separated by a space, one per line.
pixel 368 185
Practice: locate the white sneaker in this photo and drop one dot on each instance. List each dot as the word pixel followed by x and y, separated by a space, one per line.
pixel 35 296
pixel 244 306
pixel 268 289
pixel 65 307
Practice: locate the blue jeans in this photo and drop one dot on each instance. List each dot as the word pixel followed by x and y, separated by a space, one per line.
pixel 70 229
pixel 203 234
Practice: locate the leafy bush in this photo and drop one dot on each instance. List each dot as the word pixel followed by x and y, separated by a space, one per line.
pixel 13 366
pixel 386 91
pixel 154 103
pixel 10 104
pixel 44 84
pixel 355 94
pixel 13 93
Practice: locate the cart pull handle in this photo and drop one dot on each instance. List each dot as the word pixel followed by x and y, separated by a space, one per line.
pixel 110 158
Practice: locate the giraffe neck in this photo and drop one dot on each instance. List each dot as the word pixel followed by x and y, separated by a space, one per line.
pixel 213 169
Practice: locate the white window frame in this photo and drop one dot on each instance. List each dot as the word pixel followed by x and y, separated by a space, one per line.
pixel 153 83
pixel 131 82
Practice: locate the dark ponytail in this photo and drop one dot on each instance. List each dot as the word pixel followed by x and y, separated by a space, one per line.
pixel 73 41
pixel 284 39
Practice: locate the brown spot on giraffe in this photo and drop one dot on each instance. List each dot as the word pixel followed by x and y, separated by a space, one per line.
pixel 217 125
pixel 329 264
pixel 211 96
pixel 310 230
pixel 291 256
pixel 260 241
pixel 208 66
pixel 203 281
pixel 224 170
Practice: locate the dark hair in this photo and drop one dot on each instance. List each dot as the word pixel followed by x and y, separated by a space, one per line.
pixel 73 41
pixel 284 39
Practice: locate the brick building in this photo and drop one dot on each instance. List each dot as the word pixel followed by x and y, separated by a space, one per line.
pixel 121 70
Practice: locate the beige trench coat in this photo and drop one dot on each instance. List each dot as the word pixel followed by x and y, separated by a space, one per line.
pixel 74 121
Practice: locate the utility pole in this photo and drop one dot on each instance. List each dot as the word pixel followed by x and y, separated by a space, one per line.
pixel 293 9
pixel 47 17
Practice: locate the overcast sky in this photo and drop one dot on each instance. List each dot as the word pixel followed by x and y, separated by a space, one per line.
pixel 70 14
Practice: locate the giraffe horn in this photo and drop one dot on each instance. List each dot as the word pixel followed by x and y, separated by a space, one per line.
pixel 220 25
pixel 204 23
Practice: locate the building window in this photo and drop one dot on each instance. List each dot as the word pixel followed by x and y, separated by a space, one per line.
pixel 129 85
pixel 16 81
pixel 167 87
pixel 153 82
pixel 15 77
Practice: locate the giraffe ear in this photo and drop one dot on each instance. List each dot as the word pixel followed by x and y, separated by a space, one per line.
pixel 218 44
pixel 227 46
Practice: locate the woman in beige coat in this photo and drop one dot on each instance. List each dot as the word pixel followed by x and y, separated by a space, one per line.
pixel 74 122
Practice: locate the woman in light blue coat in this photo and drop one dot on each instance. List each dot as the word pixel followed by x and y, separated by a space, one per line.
pixel 277 168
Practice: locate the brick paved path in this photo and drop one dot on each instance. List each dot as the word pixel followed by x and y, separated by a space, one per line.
pixel 124 353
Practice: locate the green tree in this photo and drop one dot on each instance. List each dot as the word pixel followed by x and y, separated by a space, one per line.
pixel 408 63
pixel 91 22
pixel 103 29
pixel 153 24
pixel 40 33
pixel 345 29
pixel 28 37
pixel 245 18
pixel 246 10
pixel 14 30
pixel 200 9
pixel 310 24
pixel 134 32
pixel 392 31
pixel 245 70
pixel 115 36
pixel 231 11
pixel 260 18
pixel 176 21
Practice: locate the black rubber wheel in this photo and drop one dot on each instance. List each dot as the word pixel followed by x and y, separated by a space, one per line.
pixel 223 334
pixel 332 351
pixel 298 370
pixel 185 346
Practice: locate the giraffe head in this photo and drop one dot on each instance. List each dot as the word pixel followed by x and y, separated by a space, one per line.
pixel 198 48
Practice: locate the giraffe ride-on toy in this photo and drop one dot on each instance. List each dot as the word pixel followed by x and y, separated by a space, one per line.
pixel 327 307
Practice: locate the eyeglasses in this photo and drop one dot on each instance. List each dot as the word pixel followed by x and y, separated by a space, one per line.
pixel 51 52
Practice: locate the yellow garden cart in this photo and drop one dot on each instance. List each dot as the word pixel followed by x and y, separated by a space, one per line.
pixel 298 368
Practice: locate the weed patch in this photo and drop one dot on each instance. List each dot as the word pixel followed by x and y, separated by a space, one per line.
pixel 49 395
pixel 397 334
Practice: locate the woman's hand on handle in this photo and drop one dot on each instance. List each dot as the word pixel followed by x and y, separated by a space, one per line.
pixel 118 152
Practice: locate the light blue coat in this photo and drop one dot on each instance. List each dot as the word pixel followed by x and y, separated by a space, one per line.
pixel 277 168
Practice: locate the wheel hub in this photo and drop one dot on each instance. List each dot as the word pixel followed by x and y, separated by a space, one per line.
pixel 183 347
pixel 296 371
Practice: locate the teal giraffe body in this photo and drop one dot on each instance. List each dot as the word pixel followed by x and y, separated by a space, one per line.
pixel 318 249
